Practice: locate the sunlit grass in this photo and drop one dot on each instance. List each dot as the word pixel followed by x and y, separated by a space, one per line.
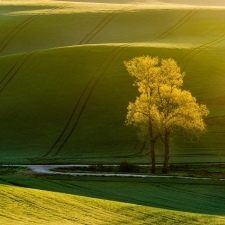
pixel 29 206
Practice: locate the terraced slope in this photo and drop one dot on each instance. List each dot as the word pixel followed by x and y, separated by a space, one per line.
pixel 64 89
pixel 107 201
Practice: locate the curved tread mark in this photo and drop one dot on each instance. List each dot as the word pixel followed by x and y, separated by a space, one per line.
pixel 192 192
pixel 28 56
pixel 136 144
pixel 202 49
pixel 179 26
pixel 116 13
pixel 75 108
pixel 18 28
pixel 94 29
pixel 12 68
pixel 29 202
pixel 15 30
pixel 139 153
pixel 83 92
pixel 86 101
pixel 84 105
pixel 70 119
pixel 101 27
pixel 188 16
pixel 112 15
pixel 64 130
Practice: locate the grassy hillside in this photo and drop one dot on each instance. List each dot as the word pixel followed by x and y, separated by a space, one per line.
pixel 107 201
pixel 47 24
pixel 64 89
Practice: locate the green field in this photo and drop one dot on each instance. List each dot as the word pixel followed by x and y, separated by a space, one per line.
pixel 68 200
pixel 64 92
pixel 64 89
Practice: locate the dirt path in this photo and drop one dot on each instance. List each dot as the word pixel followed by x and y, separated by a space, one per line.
pixel 46 169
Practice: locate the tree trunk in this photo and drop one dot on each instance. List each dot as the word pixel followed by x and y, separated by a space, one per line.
pixel 167 155
pixel 152 145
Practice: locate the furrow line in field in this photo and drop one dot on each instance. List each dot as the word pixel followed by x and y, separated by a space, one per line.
pixel 182 21
pixel 88 97
pixel 105 194
pixel 136 144
pixel 26 57
pixel 100 26
pixel 203 50
pixel 90 190
pixel 78 102
pixel 15 30
pixel 200 48
pixel 193 193
pixel 196 195
pixel 60 7
pixel 80 43
pixel 180 25
pixel 18 28
pixel 60 137
pixel 16 198
pixel 137 154
pixel 71 117
pixel 74 186
pixel 143 147
pixel 32 204
pixel 17 62
pixel 98 31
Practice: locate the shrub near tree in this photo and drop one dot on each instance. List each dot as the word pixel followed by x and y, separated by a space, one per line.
pixel 162 110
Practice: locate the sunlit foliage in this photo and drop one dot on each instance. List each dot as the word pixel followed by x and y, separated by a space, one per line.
pixel 162 109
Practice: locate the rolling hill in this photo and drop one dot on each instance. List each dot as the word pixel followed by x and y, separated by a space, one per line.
pixel 67 200
pixel 64 89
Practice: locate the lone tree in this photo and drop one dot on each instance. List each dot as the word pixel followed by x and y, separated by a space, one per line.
pixel 144 113
pixel 162 110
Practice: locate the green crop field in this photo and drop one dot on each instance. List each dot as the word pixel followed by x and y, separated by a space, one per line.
pixel 64 92
pixel 64 89
pixel 68 200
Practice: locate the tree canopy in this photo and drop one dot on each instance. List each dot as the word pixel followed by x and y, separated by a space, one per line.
pixel 162 109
